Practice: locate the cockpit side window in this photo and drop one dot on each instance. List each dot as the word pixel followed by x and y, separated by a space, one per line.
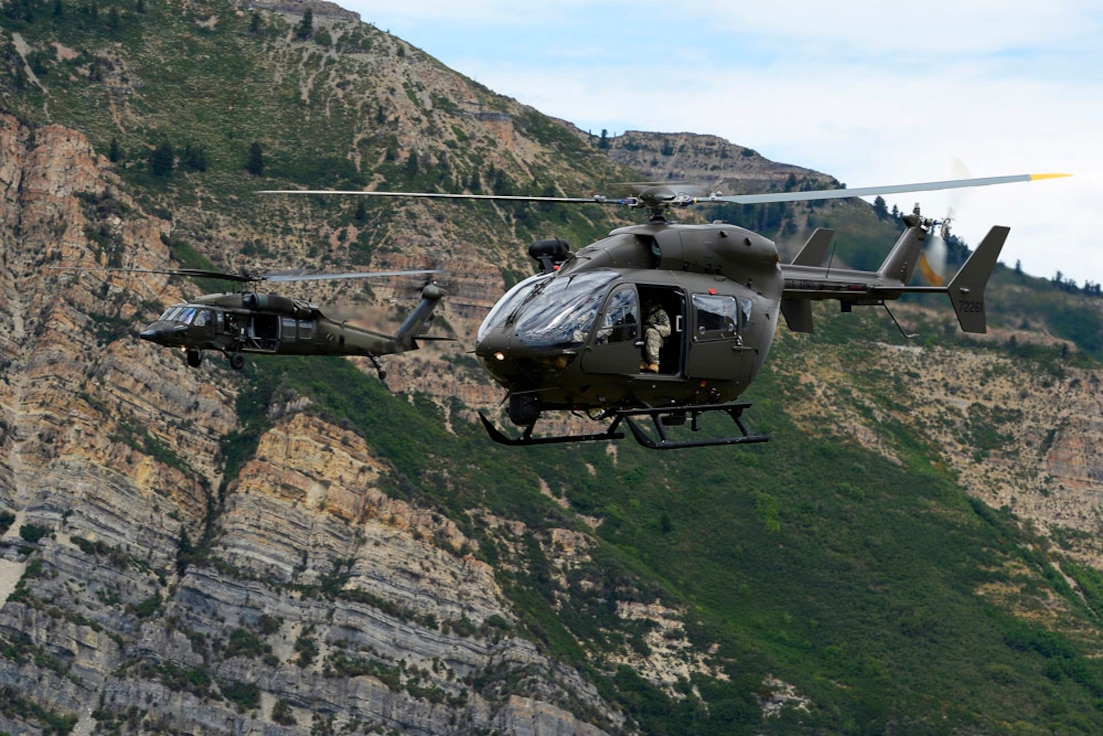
pixel 621 320
pixel 186 315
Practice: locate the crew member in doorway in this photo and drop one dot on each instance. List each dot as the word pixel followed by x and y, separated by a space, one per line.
pixel 656 328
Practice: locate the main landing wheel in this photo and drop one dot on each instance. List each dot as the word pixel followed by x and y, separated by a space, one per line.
pixel 237 361
pixel 194 358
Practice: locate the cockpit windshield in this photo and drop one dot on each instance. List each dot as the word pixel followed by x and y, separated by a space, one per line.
pixel 171 314
pixel 506 307
pixel 185 313
pixel 563 312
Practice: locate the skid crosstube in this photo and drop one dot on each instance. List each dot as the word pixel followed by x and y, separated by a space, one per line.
pixel 661 418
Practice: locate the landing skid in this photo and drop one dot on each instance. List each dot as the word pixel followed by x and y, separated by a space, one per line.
pixel 666 417
pixel 661 418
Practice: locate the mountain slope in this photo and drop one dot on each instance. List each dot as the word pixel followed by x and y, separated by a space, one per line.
pixel 299 549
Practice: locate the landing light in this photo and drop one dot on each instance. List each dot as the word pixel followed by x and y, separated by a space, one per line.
pixel 499 355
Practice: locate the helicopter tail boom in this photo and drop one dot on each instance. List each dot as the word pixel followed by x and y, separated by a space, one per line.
pixel 804 282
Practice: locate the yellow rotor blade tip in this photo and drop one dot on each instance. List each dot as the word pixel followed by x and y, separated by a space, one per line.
pixel 1036 177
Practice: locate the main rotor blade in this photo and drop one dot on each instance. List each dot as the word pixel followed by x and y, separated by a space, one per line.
pixel 247 278
pixel 327 276
pixel 597 198
pixel 929 186
pixel 202 273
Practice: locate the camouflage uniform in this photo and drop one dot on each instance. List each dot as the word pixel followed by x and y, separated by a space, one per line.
pixel 656 328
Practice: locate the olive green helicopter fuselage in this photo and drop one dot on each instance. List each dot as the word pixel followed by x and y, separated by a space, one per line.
pixel 572 338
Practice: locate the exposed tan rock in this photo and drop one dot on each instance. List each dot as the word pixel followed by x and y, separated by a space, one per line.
pixel 114 447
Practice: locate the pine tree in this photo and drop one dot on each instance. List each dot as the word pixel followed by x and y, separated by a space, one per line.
pixel 255 164
pixel 879 207
pixel 162 160
pixel 194 157
pixel 305 29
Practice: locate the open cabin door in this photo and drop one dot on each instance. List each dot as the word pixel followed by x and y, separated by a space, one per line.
pixel 618 342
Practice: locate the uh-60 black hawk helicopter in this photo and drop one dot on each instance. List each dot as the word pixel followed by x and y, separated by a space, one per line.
pixel 575 337
pixel 248 321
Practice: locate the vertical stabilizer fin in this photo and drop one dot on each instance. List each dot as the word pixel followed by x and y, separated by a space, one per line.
pixel 815 248
pixel 966 288
pixel 900 263
pixel 420 317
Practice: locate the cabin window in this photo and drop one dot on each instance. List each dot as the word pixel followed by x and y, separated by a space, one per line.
pixel 288 328
pixel 717 317
pixel 265 326
pixel 306 329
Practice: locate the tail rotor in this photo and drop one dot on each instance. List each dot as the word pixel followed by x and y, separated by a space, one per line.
pixel 933 259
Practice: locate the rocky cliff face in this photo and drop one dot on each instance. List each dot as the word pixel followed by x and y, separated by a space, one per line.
pixel 710 161
pixel 321 603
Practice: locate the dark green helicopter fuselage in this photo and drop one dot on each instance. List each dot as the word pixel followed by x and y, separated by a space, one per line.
pixel 574 338
pixel 252 322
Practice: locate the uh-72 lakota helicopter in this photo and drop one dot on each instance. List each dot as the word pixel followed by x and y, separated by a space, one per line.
pixel 248 321
pixel 575 337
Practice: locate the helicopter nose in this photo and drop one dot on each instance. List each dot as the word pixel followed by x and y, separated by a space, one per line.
pixel 153 333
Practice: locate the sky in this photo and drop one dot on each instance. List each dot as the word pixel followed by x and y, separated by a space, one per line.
pixel 870 92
